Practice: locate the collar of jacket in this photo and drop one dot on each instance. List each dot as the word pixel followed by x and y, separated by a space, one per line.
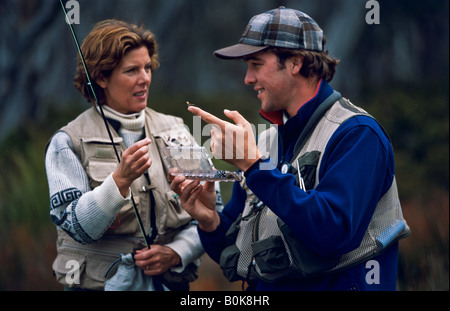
pixel 306 110
pixel 290 130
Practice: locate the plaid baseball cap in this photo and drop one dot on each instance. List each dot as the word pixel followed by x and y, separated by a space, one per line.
pixel 281 27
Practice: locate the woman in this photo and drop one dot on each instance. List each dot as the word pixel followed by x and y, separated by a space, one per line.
pixel 90 192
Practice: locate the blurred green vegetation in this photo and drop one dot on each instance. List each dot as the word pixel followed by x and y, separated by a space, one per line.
pixel 415 116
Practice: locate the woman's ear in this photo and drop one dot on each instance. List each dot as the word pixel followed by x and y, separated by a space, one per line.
pixel 102 82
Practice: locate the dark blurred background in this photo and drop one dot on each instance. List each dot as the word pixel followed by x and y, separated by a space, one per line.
pixel 398 70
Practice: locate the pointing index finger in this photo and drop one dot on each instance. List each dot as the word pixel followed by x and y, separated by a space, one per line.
pixel 207 117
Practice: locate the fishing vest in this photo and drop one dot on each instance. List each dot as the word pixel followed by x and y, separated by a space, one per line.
pixel 94 147
pixel 262 246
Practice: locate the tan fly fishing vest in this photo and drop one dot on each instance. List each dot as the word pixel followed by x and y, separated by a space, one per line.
pixel 265 248
pixel 93 145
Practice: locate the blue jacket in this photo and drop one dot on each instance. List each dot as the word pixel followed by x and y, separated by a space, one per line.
pixel 356 171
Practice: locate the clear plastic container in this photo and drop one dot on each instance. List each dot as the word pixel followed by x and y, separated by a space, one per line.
pixel 195 163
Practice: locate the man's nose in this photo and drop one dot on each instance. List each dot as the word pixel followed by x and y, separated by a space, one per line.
pixel 249 78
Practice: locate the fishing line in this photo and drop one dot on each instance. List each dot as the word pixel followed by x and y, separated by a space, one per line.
pixel 89 83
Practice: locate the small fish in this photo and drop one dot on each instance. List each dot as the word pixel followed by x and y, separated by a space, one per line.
pixel 190 105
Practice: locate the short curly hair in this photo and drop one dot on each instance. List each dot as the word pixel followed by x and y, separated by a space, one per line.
pixel 103 49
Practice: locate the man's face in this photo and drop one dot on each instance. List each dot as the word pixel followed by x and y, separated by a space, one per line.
pixel 273 85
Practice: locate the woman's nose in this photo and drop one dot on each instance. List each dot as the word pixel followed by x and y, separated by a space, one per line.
pixel 145 76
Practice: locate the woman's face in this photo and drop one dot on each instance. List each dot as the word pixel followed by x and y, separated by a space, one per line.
pixel 126 90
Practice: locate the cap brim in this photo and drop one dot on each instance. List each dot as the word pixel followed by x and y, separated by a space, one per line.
pixel 238 51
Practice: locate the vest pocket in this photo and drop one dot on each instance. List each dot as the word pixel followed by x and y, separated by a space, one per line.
pixel 308 262
pixel 68 269
pixel 99 159
pixel 99 170
pixel 229 261
pixel 270 255
pixel 307 165
pixel 175 216
pixel 85 265
pixel 230 255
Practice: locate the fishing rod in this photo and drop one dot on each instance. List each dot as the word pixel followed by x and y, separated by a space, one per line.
pixel 91 88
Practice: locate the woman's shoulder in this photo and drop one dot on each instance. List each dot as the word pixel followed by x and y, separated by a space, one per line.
pixel 159 115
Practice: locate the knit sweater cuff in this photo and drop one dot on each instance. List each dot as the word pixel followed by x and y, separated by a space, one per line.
pixel 108 197
pixel 188 246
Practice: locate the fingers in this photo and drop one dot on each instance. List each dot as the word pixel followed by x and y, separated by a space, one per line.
pixel 146 259
pixel 210 186
pixel 172 173
pixel 187 190
pixel 157 259
pixel 177 182
pixel 190 189
pixel 138 145
pixel 137 156
pixel 212 119
pixel 135 161
pixel 237 118
pixel 208 117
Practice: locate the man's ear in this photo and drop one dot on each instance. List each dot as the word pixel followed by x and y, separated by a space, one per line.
pixel 297 63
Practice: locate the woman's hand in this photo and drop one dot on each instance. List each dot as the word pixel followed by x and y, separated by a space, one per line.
pixel 156 260
pixel 135 161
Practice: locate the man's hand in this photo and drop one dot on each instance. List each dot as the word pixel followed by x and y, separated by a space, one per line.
pixel 233 143
pixel 156 260
pixel 197 200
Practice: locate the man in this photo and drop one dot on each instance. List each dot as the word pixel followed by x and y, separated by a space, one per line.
pixel 321 213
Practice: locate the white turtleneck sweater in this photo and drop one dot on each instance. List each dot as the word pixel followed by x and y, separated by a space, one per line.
pixel 132 125
pixel 86 214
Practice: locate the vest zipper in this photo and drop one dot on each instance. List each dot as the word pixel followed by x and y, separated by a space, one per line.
pixel 256 225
